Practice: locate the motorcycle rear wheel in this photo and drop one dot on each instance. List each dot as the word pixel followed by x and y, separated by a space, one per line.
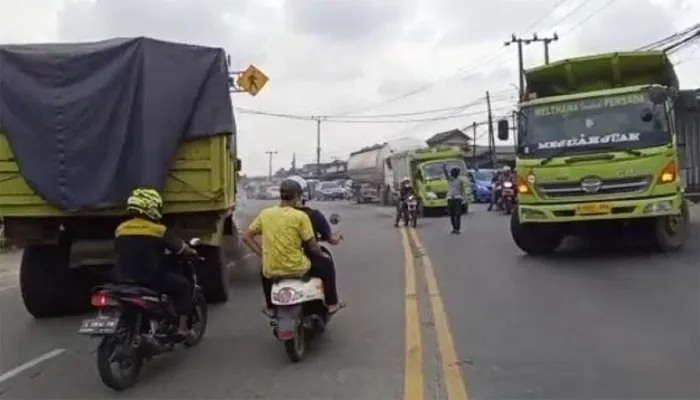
pixel 296 346
pixel 107 352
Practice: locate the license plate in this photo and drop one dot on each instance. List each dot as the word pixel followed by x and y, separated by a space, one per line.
pixel 507 191
pixel 593 208
pixel 99 326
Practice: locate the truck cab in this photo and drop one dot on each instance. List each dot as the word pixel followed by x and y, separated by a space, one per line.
pixel 597 148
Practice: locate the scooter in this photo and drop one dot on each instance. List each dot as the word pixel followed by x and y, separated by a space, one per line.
pixel 507 198
pixel 300 311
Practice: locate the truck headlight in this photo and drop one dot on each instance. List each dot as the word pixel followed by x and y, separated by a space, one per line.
pixel 431 195
pixel 658 207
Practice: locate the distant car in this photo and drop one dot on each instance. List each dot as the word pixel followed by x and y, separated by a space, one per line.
pixel 481 184
pixel 329 191
pixel 272 193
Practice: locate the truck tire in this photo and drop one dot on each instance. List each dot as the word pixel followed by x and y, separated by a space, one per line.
pixel 212 275
pixel 534 239
pixel 49 287
pixel 671 232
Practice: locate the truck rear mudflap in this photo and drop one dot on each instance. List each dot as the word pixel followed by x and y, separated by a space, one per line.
pixel 601 210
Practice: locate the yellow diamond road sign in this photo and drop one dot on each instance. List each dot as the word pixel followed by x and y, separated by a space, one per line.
pixel 252 80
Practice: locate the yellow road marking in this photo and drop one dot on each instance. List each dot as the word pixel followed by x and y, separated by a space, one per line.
pixel 413 388
pixel 452 372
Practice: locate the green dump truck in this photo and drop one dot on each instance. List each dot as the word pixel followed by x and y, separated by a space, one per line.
pixel 599 142
pixel 425 167
pixel 77 136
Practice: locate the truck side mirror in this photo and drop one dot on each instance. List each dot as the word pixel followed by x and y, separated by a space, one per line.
pixel 503 130
pixel 239 165
pixel 388 163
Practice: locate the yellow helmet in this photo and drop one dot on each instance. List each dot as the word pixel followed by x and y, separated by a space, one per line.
pixel 146 202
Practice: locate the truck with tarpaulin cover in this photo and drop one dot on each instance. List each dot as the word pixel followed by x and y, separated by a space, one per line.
pixel 82 125
pixel 604 143
pixel 425 168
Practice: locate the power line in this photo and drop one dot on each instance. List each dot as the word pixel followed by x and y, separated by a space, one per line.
pixel 460 72
pixel 458 108
pixel 406 121
pixel 668 39
pixel 588 18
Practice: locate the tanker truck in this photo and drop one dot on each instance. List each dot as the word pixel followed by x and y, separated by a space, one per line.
pixel 372 179
pixel 103 125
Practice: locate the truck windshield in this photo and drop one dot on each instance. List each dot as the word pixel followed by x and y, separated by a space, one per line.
pixel 433 170
pixel 613 121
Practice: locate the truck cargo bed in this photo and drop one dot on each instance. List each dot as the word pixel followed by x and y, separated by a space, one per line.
pixel 200 179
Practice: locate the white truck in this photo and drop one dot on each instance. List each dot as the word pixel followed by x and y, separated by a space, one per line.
pixel 372 180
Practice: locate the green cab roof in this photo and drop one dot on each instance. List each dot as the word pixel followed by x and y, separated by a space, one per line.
pixel 600 72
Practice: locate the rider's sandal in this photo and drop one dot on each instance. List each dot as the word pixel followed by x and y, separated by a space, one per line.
pixel 267 312
pixel 337 308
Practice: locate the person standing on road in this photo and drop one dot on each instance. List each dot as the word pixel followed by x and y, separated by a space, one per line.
pixel 456 194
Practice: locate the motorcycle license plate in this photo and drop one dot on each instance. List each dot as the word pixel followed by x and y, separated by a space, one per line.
pixel 102 325
pixel 507 192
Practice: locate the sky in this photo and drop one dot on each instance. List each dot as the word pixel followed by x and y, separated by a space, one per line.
pixel 347 58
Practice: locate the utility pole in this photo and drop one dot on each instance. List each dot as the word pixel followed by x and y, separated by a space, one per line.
pixel 514 118
pixel 270 153
pixel 492 140
pixel 546 41
pixel 474 165
pixel 318 144
pixel 521 69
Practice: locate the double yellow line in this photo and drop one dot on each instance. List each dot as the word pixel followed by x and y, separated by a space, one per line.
pixel 414 378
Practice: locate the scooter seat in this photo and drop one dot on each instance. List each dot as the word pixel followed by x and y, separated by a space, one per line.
pixel 123 288
pixel 304 278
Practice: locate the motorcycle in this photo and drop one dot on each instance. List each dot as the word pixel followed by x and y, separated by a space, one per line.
pixel 300 312
pixel 410 214
pixel 507 198
pixel 134 324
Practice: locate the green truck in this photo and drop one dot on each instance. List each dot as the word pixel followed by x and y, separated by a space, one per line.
pixel 599 143
pixel 108 124
pixel 425 167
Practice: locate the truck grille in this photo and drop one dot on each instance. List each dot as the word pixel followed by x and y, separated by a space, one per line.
pixel 635 184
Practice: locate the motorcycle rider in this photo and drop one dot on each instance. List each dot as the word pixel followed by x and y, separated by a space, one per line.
pixel 405 191
pixel 140 243
pixel 503 175
pixel 287 235
pixel 320 224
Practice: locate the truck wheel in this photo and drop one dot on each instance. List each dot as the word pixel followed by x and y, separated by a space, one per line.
pixel 533 238
pixel 671 231
pixel 49 287
pixel 212 275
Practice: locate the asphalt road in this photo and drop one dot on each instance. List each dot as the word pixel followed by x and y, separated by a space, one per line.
pixel 430 315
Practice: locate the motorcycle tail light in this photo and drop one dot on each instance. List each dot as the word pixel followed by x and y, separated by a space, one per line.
pixel 101 299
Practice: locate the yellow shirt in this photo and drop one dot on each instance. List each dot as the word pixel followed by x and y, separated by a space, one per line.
pixel 283 231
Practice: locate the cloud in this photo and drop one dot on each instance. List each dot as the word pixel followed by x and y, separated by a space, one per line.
pixel 329 56
pixel 346 21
